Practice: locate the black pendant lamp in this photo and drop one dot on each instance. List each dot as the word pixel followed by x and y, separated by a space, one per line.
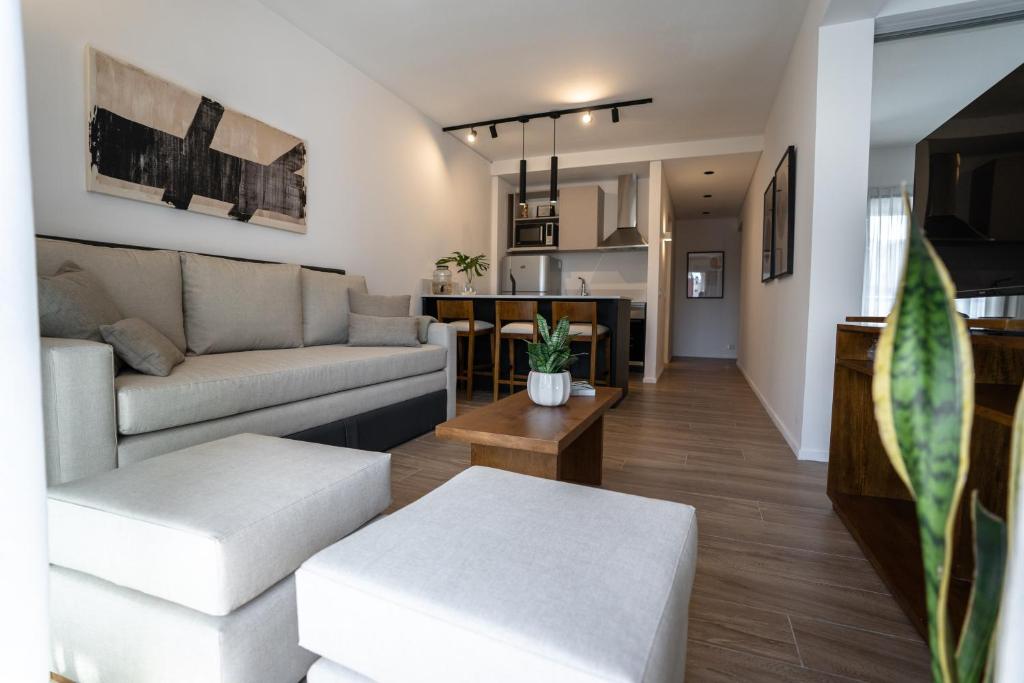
pixel 554 161
pixel 522 170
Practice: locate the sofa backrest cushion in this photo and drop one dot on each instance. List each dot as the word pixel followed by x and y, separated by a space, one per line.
pixel 142 283
pixel 239 306
pixel 380 305
pixel 325 306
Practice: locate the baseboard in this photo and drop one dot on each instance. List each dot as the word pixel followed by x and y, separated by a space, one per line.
pixel 814 454
pixel 793 444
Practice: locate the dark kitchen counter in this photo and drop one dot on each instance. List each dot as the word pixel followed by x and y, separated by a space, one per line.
pixel 612 312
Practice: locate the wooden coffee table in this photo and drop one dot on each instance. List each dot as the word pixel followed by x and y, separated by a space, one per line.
pixel 564 443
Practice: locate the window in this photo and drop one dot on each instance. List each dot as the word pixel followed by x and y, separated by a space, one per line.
pixel 887 235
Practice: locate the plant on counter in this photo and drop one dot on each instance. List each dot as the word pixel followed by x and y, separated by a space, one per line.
pixel 924 404
pixel 471 266
pixel 549 382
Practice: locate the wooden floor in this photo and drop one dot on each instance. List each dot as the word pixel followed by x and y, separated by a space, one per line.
pixel 782 592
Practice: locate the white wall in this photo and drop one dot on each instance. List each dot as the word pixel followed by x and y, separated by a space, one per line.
pixel 706 328
pixel 891 166
pixel 24 643
pixel 388 192
pixel 838 236
pixel 773 315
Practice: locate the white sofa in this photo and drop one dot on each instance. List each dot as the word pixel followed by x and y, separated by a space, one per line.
pixel 180 568
pixel 328 392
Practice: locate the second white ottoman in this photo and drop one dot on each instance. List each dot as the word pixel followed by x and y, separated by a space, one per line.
pixel 496 576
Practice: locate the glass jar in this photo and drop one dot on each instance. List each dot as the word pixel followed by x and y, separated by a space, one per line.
pixel 441 282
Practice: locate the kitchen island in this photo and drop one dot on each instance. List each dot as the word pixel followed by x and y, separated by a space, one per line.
pixel 612 312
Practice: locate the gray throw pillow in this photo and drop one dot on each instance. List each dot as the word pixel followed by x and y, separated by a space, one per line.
pixel 423 324
pixel 370 330
pixel 142 346
pixel 380 306
pixel 73 304
pixel 325 306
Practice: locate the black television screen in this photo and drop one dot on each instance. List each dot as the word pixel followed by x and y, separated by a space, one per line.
pixel 969 191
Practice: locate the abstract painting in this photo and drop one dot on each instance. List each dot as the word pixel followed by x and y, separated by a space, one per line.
pixel 156 142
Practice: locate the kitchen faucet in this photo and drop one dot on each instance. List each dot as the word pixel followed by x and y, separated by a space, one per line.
pixel 583 286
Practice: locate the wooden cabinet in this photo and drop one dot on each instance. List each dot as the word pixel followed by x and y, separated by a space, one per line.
pixel 580 217
pixel 870 497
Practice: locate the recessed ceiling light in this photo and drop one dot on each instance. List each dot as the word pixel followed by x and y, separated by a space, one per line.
pixel 707 196
pixel 709 173
pixel 706 213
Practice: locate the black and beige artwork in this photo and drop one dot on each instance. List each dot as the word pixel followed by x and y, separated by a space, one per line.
pixel 156 142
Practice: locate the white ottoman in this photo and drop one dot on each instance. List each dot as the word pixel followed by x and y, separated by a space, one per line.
pixel 504 577
pixel 179 568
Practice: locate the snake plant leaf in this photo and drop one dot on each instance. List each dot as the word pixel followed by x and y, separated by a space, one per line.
pixel 974 652
pixel 923 392
pixel 542 327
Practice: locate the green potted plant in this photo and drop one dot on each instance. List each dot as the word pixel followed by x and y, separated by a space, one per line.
pixel 924 403
pixel 471 266
pixel 549 382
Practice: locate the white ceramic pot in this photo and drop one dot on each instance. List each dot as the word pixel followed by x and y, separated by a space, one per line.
pixel 549 389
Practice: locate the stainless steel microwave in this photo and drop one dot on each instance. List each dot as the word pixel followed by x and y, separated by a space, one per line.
pixel 540 234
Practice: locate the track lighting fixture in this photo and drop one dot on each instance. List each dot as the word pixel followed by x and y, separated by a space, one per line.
pixel 586 110
pixel 472 135
pixel 553 197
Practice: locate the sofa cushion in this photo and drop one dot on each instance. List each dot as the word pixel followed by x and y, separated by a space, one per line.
pixel 142 347
pixel 74 305
pixel 218 385
pixel 142 283
pixel 372 330
pixel 237 306
pixel 325 306
pixel 379 305
pixel 501 577
pixel 213 526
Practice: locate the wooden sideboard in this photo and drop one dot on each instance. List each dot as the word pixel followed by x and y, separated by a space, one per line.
pixel 869 496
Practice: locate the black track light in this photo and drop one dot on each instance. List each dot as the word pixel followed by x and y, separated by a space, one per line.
pixel 472 135
pixel 553 197
pixel 522 171
pixel 494 131
pixel 615 114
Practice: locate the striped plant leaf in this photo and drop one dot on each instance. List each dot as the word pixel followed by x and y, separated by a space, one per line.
pixel 974 652
pixel 924 398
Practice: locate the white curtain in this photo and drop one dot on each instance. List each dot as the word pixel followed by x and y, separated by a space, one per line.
pixel 887 234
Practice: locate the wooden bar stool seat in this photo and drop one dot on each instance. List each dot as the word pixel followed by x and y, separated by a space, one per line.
pixel 459 314
pixel 515 321
pixel 481 326
pixel 584 328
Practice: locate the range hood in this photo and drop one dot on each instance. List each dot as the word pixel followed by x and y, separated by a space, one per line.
pixel 626 236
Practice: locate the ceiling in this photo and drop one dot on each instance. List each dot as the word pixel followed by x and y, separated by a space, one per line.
pixel 713 68
pixel 921 82
pixel 688 184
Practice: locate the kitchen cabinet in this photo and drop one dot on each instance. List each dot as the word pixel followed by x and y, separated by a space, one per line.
pixel 580 217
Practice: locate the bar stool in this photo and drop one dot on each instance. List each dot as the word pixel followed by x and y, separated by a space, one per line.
pixel 583 327
pixel 459 314
pixel 513 320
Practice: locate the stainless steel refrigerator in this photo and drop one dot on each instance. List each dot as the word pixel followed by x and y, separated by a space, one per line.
pixel 539 274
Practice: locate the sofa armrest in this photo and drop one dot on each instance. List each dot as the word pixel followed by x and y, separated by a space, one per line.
pixel 79 409
pixel 444 335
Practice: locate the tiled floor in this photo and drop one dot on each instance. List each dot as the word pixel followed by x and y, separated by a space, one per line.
pixel 782 592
